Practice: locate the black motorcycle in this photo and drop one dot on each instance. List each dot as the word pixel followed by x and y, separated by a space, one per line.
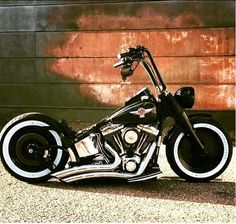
pixel 35 147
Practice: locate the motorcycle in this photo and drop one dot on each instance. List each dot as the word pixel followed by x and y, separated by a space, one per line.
pixel 124 145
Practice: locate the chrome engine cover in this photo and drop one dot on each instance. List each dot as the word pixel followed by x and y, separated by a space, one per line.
pixel 87 146
pixel 130 164
pixel 130 135
pixel 129 140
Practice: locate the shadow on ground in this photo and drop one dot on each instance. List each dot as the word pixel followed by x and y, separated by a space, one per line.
pixel 168 188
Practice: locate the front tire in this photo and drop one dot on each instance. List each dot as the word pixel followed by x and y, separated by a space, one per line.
pixel 188 163
pixel 25 148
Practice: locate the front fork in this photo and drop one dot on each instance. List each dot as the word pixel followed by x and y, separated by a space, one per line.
pixel 188 128
pixel 182 119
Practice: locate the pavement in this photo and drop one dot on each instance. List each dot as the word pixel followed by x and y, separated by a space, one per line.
pixel 167 199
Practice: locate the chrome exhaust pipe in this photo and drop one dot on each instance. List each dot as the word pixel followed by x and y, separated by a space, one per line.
pixel 94 175
pixel 90 168
pixel 111 174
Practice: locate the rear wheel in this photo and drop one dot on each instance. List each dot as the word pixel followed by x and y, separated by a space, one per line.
pixel 31 152
pixel 187 162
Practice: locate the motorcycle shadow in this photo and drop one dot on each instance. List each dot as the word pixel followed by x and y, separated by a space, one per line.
pixel 167 188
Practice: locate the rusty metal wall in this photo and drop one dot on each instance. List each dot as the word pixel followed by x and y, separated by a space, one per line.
pixel 56 56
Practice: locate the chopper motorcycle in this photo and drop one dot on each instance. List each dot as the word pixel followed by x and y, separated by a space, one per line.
pixel 35 147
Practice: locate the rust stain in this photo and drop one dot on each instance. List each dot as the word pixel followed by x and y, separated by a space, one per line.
pixel 176 37
pixel 102 17
pixel 194 42
pixel 103 93
pixel 188 19
pixel 138 15
pixel 217 70
pixel 220 97
pixel 147 18
pixel 91 56
pixel 85 70
pixel 195 70
pixel 112 94
pixel 208 97
pixel 98 81
pixel 60 15
pixel 197 42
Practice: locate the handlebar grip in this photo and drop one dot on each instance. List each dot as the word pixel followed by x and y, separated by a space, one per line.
pixel 118 64
pixel 126 54
pixel 123 55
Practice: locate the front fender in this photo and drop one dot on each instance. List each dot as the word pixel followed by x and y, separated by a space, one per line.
pixel 192 118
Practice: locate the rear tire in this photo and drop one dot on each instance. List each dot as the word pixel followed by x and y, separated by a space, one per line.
pixel 25 148
pixel 188 163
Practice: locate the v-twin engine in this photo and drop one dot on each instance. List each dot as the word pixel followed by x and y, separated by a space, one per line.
pixel 130 143
pixel 117 151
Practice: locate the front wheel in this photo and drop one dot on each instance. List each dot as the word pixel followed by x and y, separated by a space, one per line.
pixel 188 163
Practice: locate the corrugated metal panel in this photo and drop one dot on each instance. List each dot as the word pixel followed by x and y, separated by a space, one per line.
pixel 117 15
pixel 58 55
pixel 175 70
pixel 174 42
pixel 17 44
pixel 143 15
pixel 56 2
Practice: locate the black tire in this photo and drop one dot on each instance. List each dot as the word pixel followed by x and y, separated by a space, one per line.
pixel 188 163
pixel 25 135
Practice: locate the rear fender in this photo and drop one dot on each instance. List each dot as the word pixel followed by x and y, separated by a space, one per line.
pixel 50 124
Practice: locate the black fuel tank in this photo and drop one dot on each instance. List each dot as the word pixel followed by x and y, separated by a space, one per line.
pixel 137 110
pixel 143 94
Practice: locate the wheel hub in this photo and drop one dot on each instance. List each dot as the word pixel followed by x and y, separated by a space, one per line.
pixel 31 150
pixel 197 161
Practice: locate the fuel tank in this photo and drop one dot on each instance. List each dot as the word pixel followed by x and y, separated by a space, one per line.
pixel 140 109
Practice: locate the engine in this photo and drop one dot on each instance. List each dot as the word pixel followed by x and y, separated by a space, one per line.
pixel 130 142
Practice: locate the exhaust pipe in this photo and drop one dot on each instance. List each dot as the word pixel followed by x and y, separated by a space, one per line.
pixel 109 173
pixel 90 168
pixel 94 175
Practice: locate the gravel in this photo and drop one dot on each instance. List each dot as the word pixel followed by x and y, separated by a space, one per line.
pixel 168 199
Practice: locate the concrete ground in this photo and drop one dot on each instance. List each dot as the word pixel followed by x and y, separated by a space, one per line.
pixel 168 199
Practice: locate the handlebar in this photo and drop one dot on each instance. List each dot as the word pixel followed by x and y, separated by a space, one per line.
pixel 128 56
pixel 137 54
